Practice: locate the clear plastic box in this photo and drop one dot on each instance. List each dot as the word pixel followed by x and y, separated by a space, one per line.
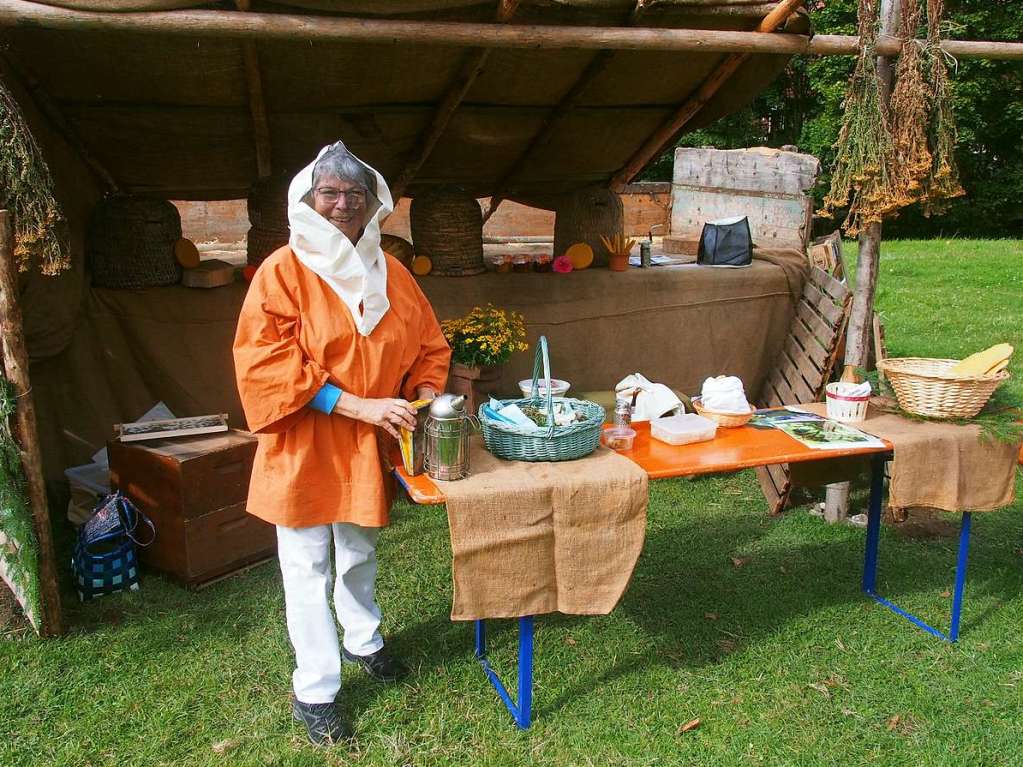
pixel 683 429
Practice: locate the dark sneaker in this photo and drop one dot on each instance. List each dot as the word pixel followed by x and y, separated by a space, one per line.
pixel 380 665
pixel 322 722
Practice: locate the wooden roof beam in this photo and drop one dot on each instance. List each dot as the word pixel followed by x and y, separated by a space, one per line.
pixel 596 66
pixel 257 104
pixel 280 26
pixel 666 135
pixel 471 69
pixel 59 121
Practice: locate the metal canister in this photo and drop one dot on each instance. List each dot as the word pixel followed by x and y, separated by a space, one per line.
pixel 645 259
pixel 447 438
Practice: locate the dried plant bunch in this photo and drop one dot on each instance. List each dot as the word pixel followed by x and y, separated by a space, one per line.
pixel 40 232
pixel 861 174
pixel 910 109
pixel 942 182
pixel 890 155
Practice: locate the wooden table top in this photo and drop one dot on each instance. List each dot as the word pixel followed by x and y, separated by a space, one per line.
pixel 731 450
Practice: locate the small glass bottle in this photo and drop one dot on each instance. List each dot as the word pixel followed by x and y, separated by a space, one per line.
pixel 542 262
pixel 522 263
pixel 623 413
pixel 503 264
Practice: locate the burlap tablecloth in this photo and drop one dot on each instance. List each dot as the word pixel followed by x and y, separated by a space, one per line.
pixel 533 538
pixel 935 465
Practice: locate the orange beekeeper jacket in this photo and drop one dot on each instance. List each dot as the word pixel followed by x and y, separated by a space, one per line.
pixel 294 335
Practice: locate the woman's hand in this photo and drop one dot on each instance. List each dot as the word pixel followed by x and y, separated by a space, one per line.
pixel 388 414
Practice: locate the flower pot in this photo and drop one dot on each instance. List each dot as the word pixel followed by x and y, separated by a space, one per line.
pixel 476 383
pixel 618 263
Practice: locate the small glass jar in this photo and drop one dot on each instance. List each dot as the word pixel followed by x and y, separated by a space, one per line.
pixel 542 262
pixel 502 263
pixel 522 263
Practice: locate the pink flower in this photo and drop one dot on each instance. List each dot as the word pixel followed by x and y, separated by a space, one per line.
pixel 563 264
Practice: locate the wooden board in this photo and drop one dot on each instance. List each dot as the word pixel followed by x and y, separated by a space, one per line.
pixel 209 274
pixel 768 186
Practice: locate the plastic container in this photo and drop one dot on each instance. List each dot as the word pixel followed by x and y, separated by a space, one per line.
pixel 618 438
pixel 558 388
pixel 683 429
pixel 842 407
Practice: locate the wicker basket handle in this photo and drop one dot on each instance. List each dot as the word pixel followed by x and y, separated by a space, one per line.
pixel 542 357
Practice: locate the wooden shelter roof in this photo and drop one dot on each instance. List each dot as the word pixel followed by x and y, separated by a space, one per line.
pixel 202 117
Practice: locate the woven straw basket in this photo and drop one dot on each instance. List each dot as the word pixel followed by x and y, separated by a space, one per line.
pixel 260 243
pixel 924 387
pixel 130 242
pixel 447 227
pixel 557 443
pixel 724 420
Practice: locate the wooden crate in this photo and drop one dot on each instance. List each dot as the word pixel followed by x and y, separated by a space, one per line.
pixel 805 365
pixel 195 490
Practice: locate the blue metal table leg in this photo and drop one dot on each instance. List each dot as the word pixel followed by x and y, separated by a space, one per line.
pixel 870 560
pixel 873 524
pixel 522 712
pixel 957 594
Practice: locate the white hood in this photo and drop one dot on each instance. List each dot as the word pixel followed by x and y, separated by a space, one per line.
pixel 357 273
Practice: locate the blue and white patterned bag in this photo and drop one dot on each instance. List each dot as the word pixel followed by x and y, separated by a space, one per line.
pixel 105 560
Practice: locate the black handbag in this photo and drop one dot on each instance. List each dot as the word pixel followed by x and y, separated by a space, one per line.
pixel 726 242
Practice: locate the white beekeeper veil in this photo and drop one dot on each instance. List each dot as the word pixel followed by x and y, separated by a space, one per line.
pixel 357 273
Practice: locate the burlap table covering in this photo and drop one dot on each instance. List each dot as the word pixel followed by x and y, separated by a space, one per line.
pixel 935 465
pixel 533 538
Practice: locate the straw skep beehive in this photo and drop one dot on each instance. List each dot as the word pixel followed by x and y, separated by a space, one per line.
pixel 447 227
pixel 130 243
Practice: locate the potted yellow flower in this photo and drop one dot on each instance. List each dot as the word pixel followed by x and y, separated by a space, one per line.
pixel 481 342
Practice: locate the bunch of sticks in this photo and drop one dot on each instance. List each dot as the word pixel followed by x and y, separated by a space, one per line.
pixel 618 244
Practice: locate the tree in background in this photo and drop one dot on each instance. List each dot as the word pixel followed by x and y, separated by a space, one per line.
pixel 804 107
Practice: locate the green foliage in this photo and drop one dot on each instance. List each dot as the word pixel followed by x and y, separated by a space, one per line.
pixel 804 107
pixel 20 553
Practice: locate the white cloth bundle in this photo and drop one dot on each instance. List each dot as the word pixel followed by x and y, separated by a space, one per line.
pixel 724 394
pixel 653 400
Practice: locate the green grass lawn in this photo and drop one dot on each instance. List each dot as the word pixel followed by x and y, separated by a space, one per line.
pixel 782 659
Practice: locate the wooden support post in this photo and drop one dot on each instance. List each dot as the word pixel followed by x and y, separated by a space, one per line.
pixel 667 134
pixel 861 318
pixel 15 366
pixel 472 67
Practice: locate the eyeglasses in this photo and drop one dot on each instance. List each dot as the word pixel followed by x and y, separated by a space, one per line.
pixel 355 198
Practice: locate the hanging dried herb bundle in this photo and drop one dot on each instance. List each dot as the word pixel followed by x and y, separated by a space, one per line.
pixel 910 111
pixel 861 176
pixel 27 191
pixel 942 182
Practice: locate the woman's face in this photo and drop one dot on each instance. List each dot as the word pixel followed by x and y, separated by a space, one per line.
pixel 342 203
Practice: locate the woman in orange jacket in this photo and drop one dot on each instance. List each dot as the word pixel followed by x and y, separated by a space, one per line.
pixel 334 338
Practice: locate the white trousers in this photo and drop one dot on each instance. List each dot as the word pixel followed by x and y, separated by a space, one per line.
pixel 304 554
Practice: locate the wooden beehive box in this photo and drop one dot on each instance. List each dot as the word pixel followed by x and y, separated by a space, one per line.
pixel 195 490
pixel 771 187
